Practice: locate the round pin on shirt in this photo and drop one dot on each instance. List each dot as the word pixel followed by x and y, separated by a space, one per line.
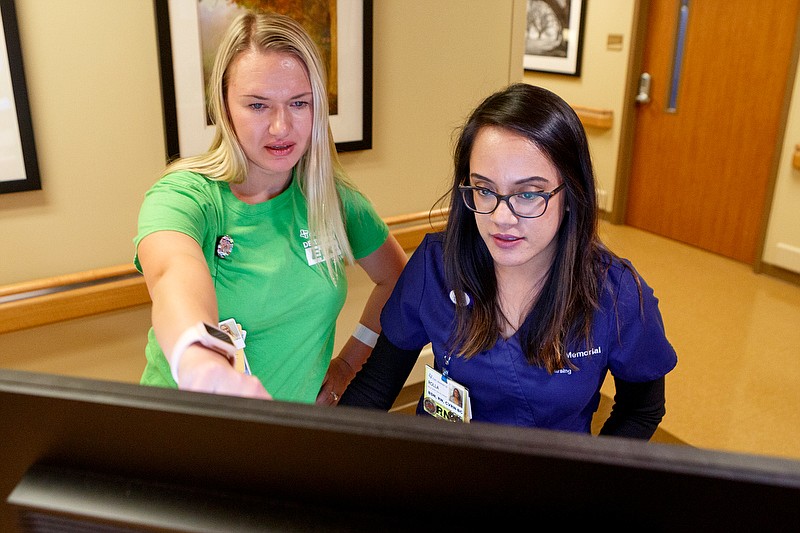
pixel 224 246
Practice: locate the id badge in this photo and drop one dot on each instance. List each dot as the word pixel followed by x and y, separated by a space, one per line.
pixel 234 329
pixel 445 398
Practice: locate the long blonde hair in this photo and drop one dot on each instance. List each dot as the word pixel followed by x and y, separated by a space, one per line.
pixel 318 170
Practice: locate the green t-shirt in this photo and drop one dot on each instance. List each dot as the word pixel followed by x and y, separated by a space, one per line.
pixel 287 306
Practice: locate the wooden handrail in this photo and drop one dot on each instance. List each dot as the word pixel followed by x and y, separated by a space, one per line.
pixel 796 158
pixel 416 218
pixel 65 280
pixel 49 300
pixel 410 228
pixel 596 118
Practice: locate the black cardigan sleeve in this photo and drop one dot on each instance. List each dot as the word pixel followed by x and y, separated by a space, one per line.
pixel 638 409
pixel 382 377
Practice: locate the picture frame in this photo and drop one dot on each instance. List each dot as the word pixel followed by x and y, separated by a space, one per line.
pixel 554 36
pixel 187 131
pixel 19 168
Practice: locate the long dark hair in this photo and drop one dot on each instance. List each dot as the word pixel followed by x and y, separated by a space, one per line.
pixel 570 294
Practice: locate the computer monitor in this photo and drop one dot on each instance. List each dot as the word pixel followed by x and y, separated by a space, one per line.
pixel 102 456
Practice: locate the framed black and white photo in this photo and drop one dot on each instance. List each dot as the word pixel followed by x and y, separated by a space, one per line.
pixel 188 34
pixel 19 169
pixel 553 36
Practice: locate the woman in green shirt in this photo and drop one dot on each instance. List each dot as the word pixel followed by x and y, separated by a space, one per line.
pixel 258 229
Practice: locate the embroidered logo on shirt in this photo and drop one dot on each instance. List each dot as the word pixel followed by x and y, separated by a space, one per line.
pixel 313 250
pixel 585 353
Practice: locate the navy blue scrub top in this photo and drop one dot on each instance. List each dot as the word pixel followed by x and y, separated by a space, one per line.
pixel 503 387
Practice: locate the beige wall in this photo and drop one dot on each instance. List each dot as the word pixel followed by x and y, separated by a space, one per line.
pixel 93 87
pixel 427 75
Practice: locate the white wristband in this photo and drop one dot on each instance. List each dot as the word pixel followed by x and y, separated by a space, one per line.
pixel 365 335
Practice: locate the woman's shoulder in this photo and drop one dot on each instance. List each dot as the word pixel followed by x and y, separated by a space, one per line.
pixel 187 183
pixel 432 243
pixel 352 199
pixel 348 191
pixel 619 269
pixel 624 287
pixel 186 177
pixel 425 267
pixel 430 250
pixel 435 238
pixel 620 276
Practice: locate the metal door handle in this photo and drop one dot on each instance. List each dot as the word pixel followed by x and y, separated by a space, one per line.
pixel 644 89
pixel 677 59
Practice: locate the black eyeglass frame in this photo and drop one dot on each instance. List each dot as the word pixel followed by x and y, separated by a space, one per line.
pixel 506 198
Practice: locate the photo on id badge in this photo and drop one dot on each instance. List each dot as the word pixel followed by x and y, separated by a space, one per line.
pixel 229 326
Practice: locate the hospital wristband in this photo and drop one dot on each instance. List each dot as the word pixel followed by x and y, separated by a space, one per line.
pixel 365 335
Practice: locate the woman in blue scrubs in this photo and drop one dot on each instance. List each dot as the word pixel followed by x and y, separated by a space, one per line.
pixel 524 307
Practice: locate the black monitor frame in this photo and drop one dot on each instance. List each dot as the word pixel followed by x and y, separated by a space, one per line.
pixel 77 451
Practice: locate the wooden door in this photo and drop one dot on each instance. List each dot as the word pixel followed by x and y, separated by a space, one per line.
pixel 700 173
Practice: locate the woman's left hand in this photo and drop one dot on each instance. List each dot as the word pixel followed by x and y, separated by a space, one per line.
pixel 339 375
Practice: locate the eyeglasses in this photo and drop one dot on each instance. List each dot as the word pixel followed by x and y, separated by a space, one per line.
pixel 522 204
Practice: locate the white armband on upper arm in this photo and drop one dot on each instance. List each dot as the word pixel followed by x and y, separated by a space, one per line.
pixel 365 335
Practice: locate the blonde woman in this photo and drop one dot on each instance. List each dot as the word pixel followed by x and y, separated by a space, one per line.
pixel 258 229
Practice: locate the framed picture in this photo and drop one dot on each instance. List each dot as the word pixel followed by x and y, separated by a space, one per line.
pixel 19 169
pixel 553 36
pixel 188 34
